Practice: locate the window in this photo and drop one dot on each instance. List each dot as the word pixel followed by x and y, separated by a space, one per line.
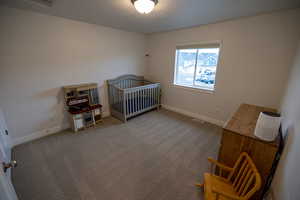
pixel 196 66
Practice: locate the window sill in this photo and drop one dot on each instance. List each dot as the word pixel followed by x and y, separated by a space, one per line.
pixel 195 89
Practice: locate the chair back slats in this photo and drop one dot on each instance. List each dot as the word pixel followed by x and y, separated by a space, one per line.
pixel 241 183
pixel 245 177
pixel 249 172
pixel 242 178
pixel 248 184
pixel 239 173
pixel 236 165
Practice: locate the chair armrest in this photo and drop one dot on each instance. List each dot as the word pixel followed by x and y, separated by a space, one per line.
pixel 220 165
pixel 225 194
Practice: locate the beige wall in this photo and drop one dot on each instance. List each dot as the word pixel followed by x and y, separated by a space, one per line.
pixel 39 54
pixel 255 58
pixel 286 182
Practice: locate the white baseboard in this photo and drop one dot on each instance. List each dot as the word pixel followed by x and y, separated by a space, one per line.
pixel 52 130
pixel 37 134
pixel 194 115
pixel 43 133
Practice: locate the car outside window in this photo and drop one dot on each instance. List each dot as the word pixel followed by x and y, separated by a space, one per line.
pixel 196 66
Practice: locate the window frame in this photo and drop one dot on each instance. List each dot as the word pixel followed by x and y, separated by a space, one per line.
pixel 198 45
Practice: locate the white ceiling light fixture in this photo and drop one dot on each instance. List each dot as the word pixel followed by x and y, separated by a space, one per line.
pixel 144 6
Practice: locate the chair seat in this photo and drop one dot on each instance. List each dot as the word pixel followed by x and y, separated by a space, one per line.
pixel 217 183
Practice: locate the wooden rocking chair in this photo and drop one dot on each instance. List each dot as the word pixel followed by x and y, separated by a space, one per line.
pixel 237 183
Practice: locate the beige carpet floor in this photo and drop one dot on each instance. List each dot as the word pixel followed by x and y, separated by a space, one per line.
pixel 156 156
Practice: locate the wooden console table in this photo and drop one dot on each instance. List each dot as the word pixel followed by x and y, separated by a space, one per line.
pixel 238 136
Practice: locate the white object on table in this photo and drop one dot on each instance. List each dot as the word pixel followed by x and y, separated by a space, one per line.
pixel 267 126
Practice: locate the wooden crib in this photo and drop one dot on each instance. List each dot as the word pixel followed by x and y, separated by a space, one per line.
pixel 130 95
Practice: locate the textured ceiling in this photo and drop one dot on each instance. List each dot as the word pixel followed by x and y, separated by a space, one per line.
pixel 167 15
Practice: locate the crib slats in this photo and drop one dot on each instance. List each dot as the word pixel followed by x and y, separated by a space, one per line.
pixel 131 103
pixel 128 104
pixel 157 96
pixel 145 98
pixel 151 94
pixel 122 101
pixel 142 98
pixel 154 97
pixel 114 96
pixel 130 97
pixel 134 101
pixel 155 102
pixel 138 100
pixel 124 104
pixel 151 99
pixel 148 97
pixel 128 101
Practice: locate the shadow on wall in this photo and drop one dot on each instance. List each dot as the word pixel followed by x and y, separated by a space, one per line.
pixel 287 165
pixel 286 184
pixel 52 112
pixel 57 112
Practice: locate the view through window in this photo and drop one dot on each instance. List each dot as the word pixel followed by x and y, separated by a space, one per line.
pixel 196 67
